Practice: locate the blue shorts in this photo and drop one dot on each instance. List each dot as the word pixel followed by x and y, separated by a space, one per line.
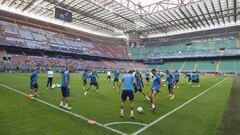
pixel 84 82
pixel 65 92
pixel 116 80
pixel 127 94
pixel 33 85
pixel 170 86
pixel 157 90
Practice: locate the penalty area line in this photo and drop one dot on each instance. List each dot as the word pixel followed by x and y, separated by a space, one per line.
pixel 68 112
pixel 176 109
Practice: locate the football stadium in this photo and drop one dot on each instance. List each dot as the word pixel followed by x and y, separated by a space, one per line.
pixel 119 67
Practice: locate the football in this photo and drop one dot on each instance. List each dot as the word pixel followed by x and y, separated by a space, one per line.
pixel 140 110
pixel 53 86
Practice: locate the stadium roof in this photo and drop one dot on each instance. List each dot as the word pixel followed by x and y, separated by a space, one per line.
pixel 116 17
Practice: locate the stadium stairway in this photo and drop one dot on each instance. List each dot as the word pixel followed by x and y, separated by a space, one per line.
pixel 218 66
pixel 196 66
pixel 182 66
pixel 171 66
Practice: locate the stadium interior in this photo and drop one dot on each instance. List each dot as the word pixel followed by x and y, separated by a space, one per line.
pixel 185 36
pixel 28 41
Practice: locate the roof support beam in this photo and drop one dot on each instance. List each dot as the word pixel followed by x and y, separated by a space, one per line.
pixel 192 17
pixel 29 5
pixel 85 14
pixel 229 20
pixel 165 26
pixel 20 4
pixel 189 21
pixel 221 11
pixel 13 2
pixel 3 2
pixel 199 8
pixel 177 20
pixel 214 10
pixel 205 5
pixel 235 10
pixel 171 25
pixel 185 23
pixel 176 24
pixel 161 27
pixel 197 16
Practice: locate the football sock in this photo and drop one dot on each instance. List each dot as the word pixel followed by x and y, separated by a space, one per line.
pixel 61 103
pixel 122 111
pixel 131 112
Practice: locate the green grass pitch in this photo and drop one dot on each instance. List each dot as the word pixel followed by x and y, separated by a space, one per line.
pixel 21 116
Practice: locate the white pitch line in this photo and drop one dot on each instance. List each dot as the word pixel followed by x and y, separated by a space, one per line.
pixel 60 109
pixel 125 122
pixel 174 110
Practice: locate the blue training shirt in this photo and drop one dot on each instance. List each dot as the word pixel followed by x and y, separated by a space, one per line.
pixel 139 83
pixel 170 78
pixel 194 76
pixel 85 76
pixel 116 75
pixel 34 77
pixel 65 75
pixel 93 78
pixel 177 75
pixel 156 82
pixel 147 74
pixel 128 82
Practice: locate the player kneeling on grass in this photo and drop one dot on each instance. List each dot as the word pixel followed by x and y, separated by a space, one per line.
pixel 170 79
pixel 34 84
pixel 84 79
pixel 139 85
pixel 127 92
pixel 65 89
pixel 116 78
pixel 93 81
pixel 156 84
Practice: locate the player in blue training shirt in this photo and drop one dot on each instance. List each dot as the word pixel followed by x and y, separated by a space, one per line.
pixel 127 92
pixel 93 81
pixel 198 79
pixel 116 78
pixel 194 79
pixel 177 77
pixel 189 76
pixel 65 87
pixel 156 85
pixel 34 84
pixel 170 80
pixel 85 78
pixel 147 74
pixel 139 86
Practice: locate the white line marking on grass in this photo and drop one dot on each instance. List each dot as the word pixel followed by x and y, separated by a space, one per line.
pixel 125 122
pixel 60 109
pixel 174 110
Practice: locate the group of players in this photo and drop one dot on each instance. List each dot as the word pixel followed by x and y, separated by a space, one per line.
pixel 131 83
